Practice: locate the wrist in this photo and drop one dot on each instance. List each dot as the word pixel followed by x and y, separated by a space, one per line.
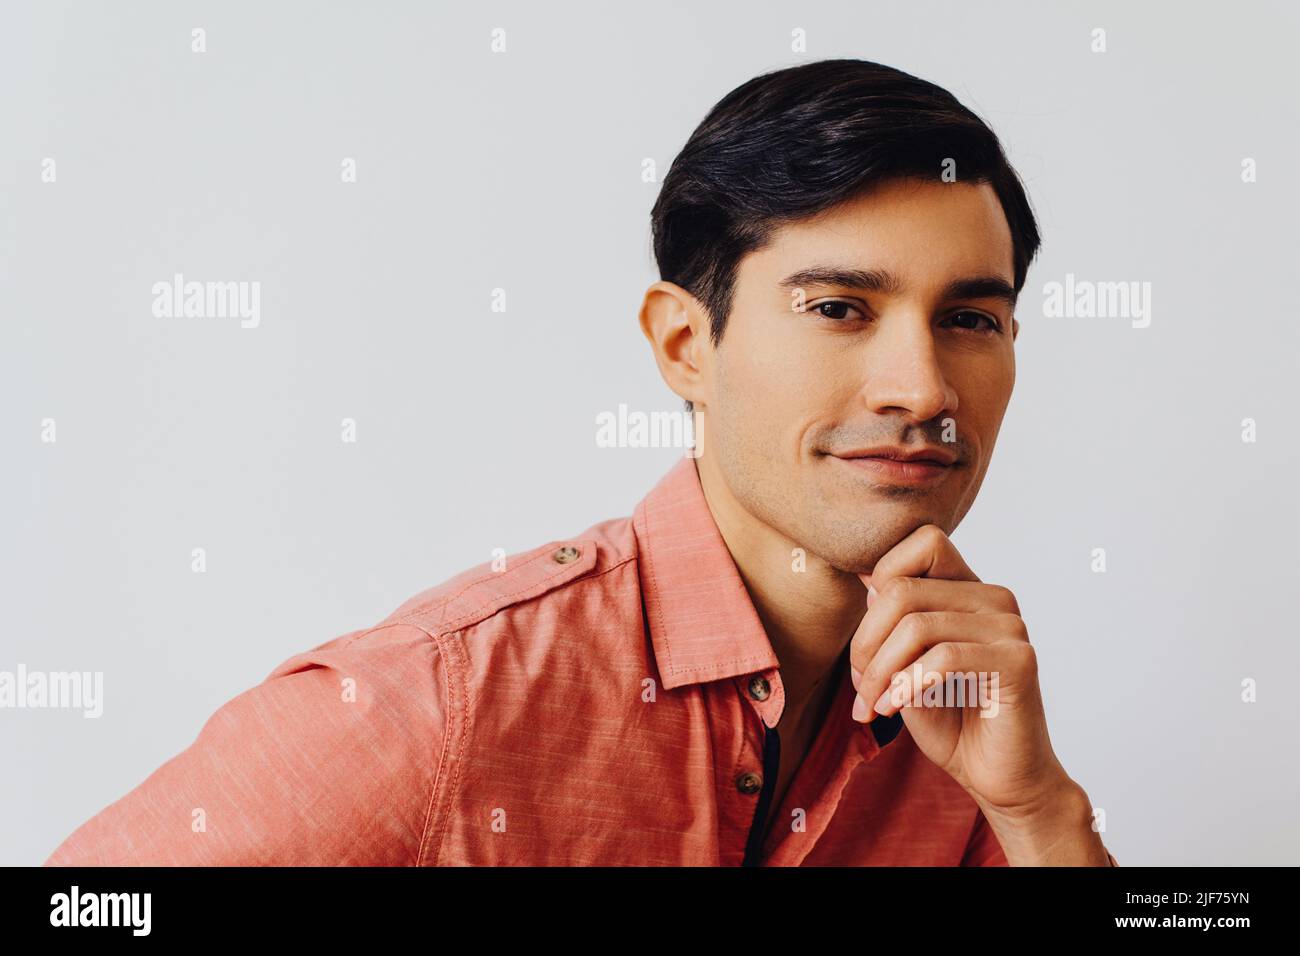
pixel 1055 829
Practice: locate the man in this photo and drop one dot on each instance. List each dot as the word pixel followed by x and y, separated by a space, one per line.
pixel 726 677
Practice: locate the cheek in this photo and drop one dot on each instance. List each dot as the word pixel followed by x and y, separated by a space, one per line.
pixel 981 408
pixel 764 409
pixel 806 375
pixel 766 375
pixel 984 388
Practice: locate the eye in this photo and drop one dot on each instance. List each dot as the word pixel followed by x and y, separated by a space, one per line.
pixel 836 307
pixel 992 328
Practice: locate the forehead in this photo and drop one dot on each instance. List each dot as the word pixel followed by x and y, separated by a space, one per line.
pixel 925 232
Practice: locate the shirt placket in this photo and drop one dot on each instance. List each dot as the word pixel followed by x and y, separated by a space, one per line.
pixel 755 780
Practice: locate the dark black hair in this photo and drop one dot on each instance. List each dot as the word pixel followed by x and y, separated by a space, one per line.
pixel 791 143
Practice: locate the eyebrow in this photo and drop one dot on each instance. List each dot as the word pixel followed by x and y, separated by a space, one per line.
pixel 887 283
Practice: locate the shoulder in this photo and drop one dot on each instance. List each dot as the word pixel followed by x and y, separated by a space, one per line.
pixel 414 660
pixel 363 733
pixel 583 569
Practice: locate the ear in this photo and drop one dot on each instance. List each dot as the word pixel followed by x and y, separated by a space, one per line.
pixel 677 329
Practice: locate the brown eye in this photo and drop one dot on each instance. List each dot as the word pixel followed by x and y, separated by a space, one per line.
pixel 836 309
pixel 991 326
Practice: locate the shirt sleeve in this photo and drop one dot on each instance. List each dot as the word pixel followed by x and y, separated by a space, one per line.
pixel 983 848
pixel 332 760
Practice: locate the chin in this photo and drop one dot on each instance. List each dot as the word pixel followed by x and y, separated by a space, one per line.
pixel 856 558
pixel 861 566
pixel 883 529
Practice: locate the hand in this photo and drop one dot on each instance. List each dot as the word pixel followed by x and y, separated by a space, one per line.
pixel 931 623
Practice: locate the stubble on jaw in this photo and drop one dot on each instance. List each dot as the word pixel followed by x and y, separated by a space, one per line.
pixel 825 527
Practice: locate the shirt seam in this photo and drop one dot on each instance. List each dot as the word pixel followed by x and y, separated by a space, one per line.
pixel 457 712
pixel 654 589
pixel 437 772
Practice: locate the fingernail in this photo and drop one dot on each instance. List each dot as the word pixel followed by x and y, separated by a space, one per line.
pixel 857 676
pixel 871 596
pixel 882 702
pixel 860 710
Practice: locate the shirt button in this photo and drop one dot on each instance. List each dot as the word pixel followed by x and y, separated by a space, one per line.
pixel 759 688
pixel 749 782
pixel 566 554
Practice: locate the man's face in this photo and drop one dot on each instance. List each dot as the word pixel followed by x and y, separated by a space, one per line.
pixel 914 364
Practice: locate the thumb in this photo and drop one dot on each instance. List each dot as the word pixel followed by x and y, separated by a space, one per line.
pixel 871 591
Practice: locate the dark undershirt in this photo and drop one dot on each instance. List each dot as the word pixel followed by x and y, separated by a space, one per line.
pixel 884 729
pixel 771 762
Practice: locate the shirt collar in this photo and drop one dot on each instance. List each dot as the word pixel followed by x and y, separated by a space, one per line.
pixel 702 623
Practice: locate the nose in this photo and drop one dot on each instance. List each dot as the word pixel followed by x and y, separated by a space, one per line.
pixel 903 373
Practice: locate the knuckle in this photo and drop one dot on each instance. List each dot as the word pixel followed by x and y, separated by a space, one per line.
pixel 933 534
pixel 897 589
pixel 1026 656
pixel 1007 598
pixel 872 674
pixel 913 625
pixel 944 655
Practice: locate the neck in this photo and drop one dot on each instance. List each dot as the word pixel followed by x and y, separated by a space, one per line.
pixel 810 616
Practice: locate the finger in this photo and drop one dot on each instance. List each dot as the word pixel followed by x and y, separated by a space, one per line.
pixel 1000 663
pixel 905 595
pixel 920 631
pixel 925 553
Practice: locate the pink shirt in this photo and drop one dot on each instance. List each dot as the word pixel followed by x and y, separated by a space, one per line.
pixel 601 700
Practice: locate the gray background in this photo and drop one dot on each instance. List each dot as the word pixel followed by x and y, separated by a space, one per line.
pixel 476 429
